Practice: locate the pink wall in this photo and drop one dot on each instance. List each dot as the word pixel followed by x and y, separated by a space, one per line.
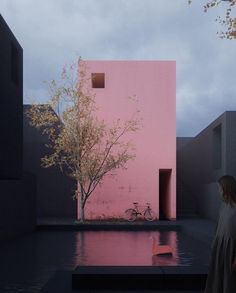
pixel 154 83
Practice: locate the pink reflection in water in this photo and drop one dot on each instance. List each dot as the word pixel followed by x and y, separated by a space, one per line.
pixel 124 248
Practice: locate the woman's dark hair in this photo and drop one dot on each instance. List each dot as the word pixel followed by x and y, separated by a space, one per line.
pixel 228 185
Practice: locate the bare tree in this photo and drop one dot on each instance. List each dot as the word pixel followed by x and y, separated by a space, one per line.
pixel 84 145
pixel 227 20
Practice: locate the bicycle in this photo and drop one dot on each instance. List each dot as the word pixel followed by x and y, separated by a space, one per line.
pixel 132 213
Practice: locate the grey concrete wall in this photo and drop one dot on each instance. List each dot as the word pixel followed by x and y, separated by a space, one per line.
pixel 11 100
pixel 231 143
pixel 186 200
pixel 211 201
pixel 55 189
pixel 182 141
pixel 204 159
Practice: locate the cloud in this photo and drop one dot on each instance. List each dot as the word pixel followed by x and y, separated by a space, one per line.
pixel 54 32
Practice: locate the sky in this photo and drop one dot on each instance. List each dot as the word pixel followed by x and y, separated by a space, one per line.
pixel 55 32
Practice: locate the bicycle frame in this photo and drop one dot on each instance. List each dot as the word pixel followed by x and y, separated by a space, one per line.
pixel 140 211
pixel 132 213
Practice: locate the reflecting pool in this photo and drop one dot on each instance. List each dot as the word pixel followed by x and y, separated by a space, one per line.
pixel 132 248
pixel 29 262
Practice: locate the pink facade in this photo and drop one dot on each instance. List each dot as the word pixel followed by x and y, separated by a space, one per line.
pixel 151 177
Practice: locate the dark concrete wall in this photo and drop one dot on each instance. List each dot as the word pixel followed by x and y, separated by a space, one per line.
pixel 204 159
pixel 17 189
pixel 186 201
pixel 18 207
pixel 54 189
pixel 231 143
pixel 11 100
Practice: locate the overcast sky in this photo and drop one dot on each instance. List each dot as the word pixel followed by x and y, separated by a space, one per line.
pixel 55 32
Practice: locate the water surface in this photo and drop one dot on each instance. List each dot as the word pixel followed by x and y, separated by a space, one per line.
pixel 29 262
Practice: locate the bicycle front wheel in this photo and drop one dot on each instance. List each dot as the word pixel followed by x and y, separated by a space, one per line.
pixel 130 215
pixel 149 215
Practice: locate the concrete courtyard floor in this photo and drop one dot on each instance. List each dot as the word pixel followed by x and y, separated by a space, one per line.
pixel 34 264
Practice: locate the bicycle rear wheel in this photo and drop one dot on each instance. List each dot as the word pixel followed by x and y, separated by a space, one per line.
pixel 149 215
pixel 130 215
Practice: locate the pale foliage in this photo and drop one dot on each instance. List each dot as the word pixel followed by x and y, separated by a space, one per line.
pixel 227 20
pixel 80 143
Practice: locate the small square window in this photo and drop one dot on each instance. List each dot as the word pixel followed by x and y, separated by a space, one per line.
pixel 98 80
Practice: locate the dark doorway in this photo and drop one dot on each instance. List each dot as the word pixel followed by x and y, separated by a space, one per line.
pixel 164 193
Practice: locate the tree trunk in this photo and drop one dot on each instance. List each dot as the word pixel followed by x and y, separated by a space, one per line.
pixel 81 205
pixel 81 212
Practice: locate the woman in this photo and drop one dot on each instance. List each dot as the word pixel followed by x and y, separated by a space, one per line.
pixel 222 265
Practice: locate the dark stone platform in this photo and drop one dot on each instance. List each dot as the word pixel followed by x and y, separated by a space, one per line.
pixel 109 226
pixel 139 278
pixel 61 283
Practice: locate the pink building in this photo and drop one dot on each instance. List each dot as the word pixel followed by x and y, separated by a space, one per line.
pixel 151 177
